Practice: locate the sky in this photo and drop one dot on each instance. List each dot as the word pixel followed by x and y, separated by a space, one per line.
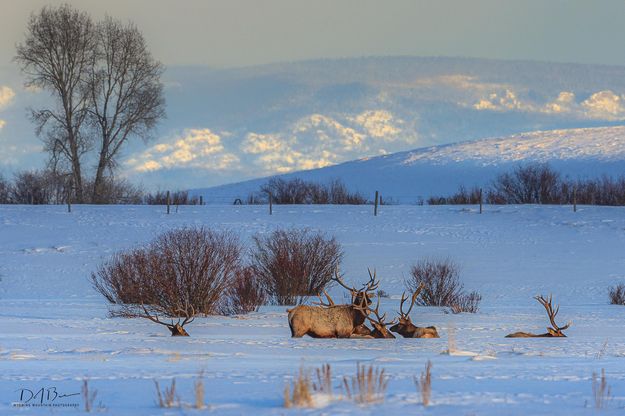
pixel 238 33
pixel 229 33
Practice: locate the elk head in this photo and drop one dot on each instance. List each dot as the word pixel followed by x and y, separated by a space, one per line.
pixel 554 330
pixel 361 298
pixel 405 327
pixel 379 326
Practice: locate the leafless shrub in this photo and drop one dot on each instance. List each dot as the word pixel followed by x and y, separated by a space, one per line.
pixel 461 197
pixel 300 395
pixel 245 293
pixel 617 294
pixel 531 184
pixel 88 396
pixel 424 384
pixel 113 190
pixel 5 190
pixel 167 398
pixel 466 302
pixel 181 273
pixel 367 386
pixel 601 391
pixel 441 286
pixel 294 263
pixel 440 280
pixel 298 191
pixel 175 198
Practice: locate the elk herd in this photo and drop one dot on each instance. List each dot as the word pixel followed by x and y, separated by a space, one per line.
pixel 329 320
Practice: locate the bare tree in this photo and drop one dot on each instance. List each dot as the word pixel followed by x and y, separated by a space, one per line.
pixel 56 56
pixel 126 93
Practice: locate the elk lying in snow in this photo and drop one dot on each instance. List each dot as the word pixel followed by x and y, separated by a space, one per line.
pixel 379 326
pixel 554 331
pixel 405 327
pixel 330 320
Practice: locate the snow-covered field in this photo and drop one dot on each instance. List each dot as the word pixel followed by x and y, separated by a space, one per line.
pixel 55 330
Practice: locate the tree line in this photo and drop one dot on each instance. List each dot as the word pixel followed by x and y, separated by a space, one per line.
pixel 43 187
pixel 540 184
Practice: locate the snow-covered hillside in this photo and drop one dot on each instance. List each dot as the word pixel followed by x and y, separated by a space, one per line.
pixel 55 329
pixel 440 170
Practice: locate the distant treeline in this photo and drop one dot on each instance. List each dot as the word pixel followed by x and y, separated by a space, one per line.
pixel 539 184
pixel 298 191
pixel 40 187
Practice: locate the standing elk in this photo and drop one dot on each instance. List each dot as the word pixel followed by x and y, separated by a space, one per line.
pixel 553 331
pixel 330 320
pixel 405 327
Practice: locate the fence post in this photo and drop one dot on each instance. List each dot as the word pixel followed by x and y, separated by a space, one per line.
pixel 375 207
pixel 69 196
pixel 168 202
pixel 480 200
pixel 575 199
pixel 201 200
pixel 270 203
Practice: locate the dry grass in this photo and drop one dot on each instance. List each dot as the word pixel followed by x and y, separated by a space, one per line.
pixel 367 386
pixel 424 384
pixel 601 391
pixel 323 383
pixel 198 389
pixel 301 393
pixel 168 397
pixel 88 396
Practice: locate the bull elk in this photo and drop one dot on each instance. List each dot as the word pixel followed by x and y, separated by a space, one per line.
pixel 405 327
pixel 553 331
pixel 330 320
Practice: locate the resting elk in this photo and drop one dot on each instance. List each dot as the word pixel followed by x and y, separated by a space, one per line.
pixel 405 327
pixel 334 321
pixel 554 331
pixel 379 326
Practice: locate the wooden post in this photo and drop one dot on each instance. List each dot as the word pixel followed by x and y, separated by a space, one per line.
pixel 480 200
pixel 270 204
pixel 168 202
pixel 201 200
pixel 575 199
pixel 69 197
pixel 375 207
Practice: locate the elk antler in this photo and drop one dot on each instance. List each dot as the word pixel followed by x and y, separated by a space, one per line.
pixel 376 312
pixel 551 312
pixel 404 298
pixel 320 303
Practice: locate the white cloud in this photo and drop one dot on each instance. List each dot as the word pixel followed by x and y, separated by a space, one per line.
pixel 319 140
pixel 379 124
pixel 2 123
pixel 197 148
pixel 605 105
pixel 6 96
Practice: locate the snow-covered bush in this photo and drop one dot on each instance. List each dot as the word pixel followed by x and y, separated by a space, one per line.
pixel 617 294
pixel 441 286
pixel 294 263
pixel 180 274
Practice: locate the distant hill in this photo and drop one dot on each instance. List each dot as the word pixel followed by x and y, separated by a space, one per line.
pixel 440 170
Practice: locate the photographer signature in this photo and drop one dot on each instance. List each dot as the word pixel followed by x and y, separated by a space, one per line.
pixel 42 396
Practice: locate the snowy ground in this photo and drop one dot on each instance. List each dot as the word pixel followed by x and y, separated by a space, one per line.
pixel 55 329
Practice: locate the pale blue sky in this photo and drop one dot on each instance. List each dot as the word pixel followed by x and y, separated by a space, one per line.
pixel 238 32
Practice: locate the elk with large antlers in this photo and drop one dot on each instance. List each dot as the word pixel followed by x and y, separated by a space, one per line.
pixel 405 327
pixel 327 320
pixel 553 331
